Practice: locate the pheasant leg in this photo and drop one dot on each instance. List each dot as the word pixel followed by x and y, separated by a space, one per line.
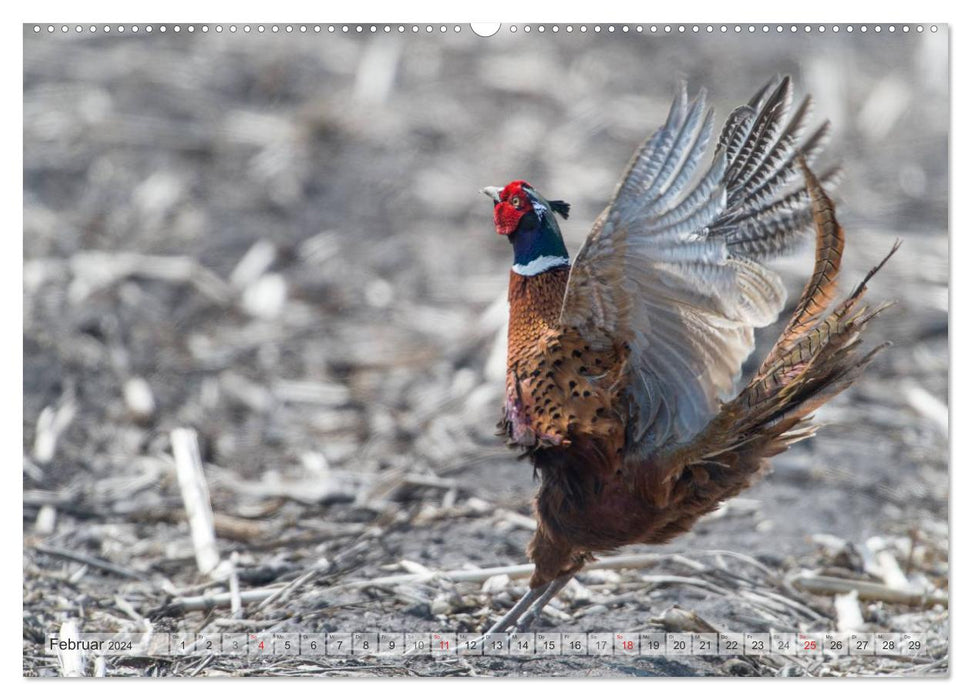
pixel 552 588
pixel 511 617
pixel 529 606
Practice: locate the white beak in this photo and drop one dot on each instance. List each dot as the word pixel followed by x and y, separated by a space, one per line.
pixel 492 192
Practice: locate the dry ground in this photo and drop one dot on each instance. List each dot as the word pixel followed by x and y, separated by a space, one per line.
pixel 277 241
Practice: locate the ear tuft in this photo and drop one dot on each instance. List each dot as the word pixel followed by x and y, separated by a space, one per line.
pixel 560 207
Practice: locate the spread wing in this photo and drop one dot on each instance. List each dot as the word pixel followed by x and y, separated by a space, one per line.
pixel 672 268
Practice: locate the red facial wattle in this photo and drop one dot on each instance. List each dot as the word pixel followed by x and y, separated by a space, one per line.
pixel 507 218
pixel 512 206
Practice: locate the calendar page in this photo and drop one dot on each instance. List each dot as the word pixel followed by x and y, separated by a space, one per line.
pixel 495 350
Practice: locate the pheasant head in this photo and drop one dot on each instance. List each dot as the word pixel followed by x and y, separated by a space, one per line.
pixel 526 218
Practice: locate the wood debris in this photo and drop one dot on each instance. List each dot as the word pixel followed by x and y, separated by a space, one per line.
pixel 264 341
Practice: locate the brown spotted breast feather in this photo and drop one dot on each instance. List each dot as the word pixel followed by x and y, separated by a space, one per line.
pixel 556 385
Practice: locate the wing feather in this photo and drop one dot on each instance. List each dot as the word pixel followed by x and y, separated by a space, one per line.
pixel 672 271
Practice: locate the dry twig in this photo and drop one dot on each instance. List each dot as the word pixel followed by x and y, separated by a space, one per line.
pixel 195 495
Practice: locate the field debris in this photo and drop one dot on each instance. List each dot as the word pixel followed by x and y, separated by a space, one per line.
pixel 263 346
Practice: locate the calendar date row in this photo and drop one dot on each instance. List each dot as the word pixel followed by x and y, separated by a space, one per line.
pixel 505 644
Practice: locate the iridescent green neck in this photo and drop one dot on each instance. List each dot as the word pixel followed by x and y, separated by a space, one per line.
pixel 538 244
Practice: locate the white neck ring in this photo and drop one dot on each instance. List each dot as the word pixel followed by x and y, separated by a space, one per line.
pixel 540 264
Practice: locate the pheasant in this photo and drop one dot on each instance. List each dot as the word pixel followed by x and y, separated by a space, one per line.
pixel 622 366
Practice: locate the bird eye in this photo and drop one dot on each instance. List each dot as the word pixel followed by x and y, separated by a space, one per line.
pixel 516 201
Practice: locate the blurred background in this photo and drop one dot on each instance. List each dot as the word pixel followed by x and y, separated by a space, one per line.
pixel 278 241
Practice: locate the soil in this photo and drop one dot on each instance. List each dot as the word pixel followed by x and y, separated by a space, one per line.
pixel 277 241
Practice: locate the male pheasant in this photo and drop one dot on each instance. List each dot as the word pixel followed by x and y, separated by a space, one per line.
pixel 622 367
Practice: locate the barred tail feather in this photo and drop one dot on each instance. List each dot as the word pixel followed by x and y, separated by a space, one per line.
pixel 821 288
pixel 816 357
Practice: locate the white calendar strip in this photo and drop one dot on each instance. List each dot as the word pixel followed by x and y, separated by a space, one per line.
pixel 351 644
